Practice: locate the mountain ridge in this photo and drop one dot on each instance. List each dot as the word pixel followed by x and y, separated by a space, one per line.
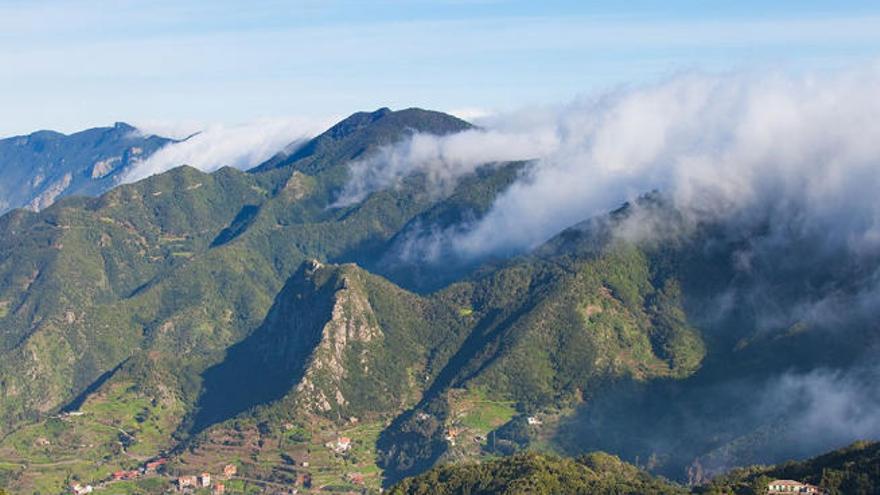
pixel 362 131
pixel 235 314
pixel 38 168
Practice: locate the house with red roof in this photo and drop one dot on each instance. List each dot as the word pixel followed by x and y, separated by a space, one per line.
pixel 788 487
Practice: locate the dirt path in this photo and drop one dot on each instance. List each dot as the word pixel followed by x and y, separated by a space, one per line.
pixel 28 464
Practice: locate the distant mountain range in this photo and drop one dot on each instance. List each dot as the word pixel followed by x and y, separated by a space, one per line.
pixel 37 169
pixel 241 318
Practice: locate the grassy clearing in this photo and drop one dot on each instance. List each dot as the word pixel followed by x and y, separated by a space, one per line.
pixel 279 454
pixel 329 468
pixel 474 410
pixel 118 429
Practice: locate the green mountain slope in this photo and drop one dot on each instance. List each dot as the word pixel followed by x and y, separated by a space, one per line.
pixel 547 331
pixel 152 282
pixel 239 317
pixel 851 470
pixel 776 353
pixel 530 473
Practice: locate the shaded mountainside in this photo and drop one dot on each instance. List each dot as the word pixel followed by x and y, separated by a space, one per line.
pixel 337 342
pixel 240 316
pixel 778 352
pixel 37 169
pixel 545 333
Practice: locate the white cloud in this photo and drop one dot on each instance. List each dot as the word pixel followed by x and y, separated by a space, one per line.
pixel 443 159
pixel 472 114
pixel 797 146
pixel 716 145
pixel 214 146
pixel 828 408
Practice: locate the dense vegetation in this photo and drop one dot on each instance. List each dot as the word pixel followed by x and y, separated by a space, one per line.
pixel 537 474
pixel 852 470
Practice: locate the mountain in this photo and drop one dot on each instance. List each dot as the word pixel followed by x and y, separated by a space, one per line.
pixel 150 283
pixel 361 133
pixel 850 470
pixel 37 169
pixel 597 473
pixel 245 318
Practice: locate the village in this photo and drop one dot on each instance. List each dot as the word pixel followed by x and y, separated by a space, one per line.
pixel 205 482
pixel 156 468
pixel 291 458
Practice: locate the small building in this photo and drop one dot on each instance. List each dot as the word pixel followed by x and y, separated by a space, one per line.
pixel 187 482
pixel 356 478
pixel 218 489
pixel 343 444
pixel 205 480
pixel 534 421
pixel 791 486
pixel 155 465
pixel 124 475
pixel 451 435
pixel 78 489
pixel 230 470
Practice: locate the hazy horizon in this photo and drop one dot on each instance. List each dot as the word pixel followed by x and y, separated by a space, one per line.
pixel 190 65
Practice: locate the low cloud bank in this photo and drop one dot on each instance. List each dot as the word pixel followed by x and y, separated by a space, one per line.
pixel 214 146
pixel 803 147
pixel 442 159
pixel 830 407
pixel 804 413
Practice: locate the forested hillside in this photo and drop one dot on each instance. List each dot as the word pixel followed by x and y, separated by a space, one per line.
pixel 852 470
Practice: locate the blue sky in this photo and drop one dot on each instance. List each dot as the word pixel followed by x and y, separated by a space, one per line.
pixel 72 64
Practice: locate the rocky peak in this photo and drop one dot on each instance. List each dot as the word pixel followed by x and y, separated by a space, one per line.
pixel 344 347
pixel 362 132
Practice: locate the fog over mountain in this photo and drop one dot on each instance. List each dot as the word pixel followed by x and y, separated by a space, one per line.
pixel 718 145
pixel 208 147
pixel 783 167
